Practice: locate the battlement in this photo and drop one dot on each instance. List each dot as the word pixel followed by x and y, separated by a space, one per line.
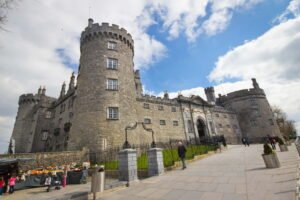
pixel 157 100
pixel 242 93
pixel 209 90
pixel 94 30
pixel 28 99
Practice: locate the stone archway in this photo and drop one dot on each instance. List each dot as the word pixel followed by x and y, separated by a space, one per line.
pixel 201 128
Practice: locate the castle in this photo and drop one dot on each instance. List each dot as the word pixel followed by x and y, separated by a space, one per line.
pixel 108 97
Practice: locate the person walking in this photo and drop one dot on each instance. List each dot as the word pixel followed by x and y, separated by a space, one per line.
pixel 244 141
pixel 181 153
pixel 12 183
pixel 2 183
pixel 48 182
pixel 272 142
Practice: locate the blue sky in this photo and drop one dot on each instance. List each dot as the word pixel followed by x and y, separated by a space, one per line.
pixel 187 64
pixel 179 47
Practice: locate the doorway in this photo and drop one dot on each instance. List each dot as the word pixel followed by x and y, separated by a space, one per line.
pixel 201 128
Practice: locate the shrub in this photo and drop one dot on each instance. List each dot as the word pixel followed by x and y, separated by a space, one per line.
pixel 110 165
pixel 142 161
pixel 267 149
pixel 280 141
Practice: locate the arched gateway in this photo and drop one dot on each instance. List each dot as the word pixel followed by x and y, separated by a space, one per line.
pixel 201 128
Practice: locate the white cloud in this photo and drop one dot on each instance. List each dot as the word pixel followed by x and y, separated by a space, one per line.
pixel 293 9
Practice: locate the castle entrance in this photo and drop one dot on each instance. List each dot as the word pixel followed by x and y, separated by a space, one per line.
pixel 201 128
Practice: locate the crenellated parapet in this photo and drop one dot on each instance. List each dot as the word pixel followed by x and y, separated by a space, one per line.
pixel 242 93
pixel 157 100
pixel 28 99
pixel 94 30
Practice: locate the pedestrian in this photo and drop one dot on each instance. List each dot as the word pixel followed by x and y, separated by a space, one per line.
pixel 181 153
pixel 2 184
pixel 64 176
pixel 247 142
pixel 48 182
pixel 244 141
pixel 272 141
pixel 12 183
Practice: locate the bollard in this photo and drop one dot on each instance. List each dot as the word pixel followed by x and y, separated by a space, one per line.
pixel 98 178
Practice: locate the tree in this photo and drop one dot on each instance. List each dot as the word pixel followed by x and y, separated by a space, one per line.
pixel 286 126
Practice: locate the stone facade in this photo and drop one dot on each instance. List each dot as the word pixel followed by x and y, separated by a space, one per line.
pixel 108 97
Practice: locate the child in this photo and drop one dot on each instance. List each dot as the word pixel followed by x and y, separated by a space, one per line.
pixel 48 182
pixel 12 183
pixel 2 183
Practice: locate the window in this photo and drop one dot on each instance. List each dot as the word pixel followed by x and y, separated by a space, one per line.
pixel 175 123
pixel 45 135
pixel 162 122
pixel 112 113
pixel 71 101
pixel 71 115
pixel 146 105
pixel 112 63
pixel 228 126
pixel 271 122
pixel 212 127
pixel 112 45
pixel 147 121
pixel 220 125
pixel 160 108
pixel 48 115
pixel 190 126
pixel 56 131
pixel 173 109
pixel 112 84
pixel 217 115
pixel 59 121
pixel 225 116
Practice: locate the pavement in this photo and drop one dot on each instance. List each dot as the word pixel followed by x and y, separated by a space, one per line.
pixel 237 173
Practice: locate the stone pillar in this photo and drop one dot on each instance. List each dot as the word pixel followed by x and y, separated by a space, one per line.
pixel 155 162
pixel 127 165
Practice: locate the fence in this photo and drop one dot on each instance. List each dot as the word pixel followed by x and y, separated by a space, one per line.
pixel 109 157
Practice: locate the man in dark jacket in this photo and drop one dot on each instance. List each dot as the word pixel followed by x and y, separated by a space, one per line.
pixel 181 154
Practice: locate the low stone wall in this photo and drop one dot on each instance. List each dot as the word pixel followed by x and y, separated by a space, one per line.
pixel 45 159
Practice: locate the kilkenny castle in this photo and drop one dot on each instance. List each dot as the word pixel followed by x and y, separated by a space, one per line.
pixel 107 96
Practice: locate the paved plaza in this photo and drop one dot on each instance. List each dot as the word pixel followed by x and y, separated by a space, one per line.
pixel 236 174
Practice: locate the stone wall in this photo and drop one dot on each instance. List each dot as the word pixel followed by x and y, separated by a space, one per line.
pixel 46 159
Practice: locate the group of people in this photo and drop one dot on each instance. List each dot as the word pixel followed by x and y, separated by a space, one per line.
pixel 7 184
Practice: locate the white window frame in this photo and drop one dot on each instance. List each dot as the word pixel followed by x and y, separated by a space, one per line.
pixel 147 121
pixel 146 105
pixel 111 45
pixel 162 122
pixel 45 135
pixel 48 114
pixel 112 84
pixel 113 113
pixel 175 123
pixel 112 63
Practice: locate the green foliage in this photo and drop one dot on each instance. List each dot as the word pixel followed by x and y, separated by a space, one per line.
pixel 280 141
pixel 267 149
pixel 110 165
pixel 170 156
pixel 142 162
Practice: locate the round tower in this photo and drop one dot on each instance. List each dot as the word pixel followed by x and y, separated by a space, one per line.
pixel 23 127
pixel 254 113
pixel 210 95
pixel 106 94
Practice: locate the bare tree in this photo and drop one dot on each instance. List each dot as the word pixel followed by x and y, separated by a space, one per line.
pixel 286 126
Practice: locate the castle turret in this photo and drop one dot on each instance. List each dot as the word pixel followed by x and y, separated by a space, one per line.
pixel 255 84
pixel 72 83
pixel 63 90
pixel 106 89
pixel 44 91
pixel 166 95
pixel 138 83
pixel 40 90
pixel 210 95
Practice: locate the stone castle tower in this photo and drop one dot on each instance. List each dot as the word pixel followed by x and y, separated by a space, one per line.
pixel 106 88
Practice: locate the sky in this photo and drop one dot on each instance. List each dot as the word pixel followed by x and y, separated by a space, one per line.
pixel 180 47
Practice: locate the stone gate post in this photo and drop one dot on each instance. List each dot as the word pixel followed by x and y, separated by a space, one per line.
pixel 128 165
pixel 155 162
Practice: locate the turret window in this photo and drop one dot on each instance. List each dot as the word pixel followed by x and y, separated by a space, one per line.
pixel 112 113
pixel 112 63
pixel 160 108
pixel 48 114
pixel 45 135
pixel 147 121
pixel 112 45
pixel 162 122
pixel 175 123
pixel 146 105
pixel 112 84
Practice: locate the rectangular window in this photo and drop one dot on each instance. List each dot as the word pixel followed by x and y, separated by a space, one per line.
pixel 112 84
pixel 175 123
pixel 48 114
pixel 212 127
pixel 217 115
pixel 173 109
pixel 220 125
pixel 112 45
pixel 147 121
pixel 162 122
pixel 228 126
pixel 253 122
pixel 190 126
pixel 45 135
pixel 160 108
pixel 112 63
pixel 146 105
pixel 225 116
pixel 112 113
